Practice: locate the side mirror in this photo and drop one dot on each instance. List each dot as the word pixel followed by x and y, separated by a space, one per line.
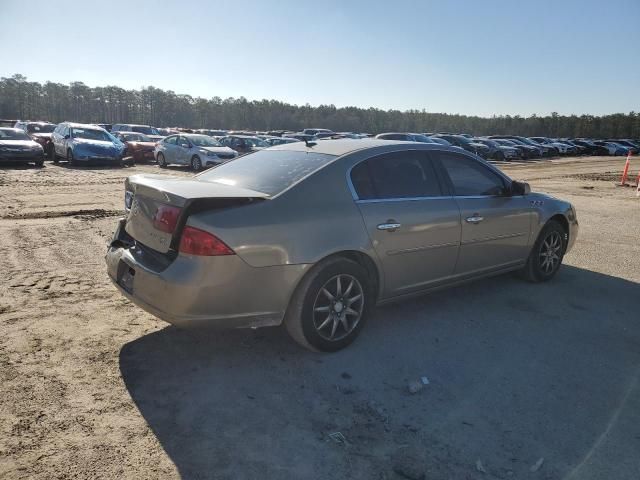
pixel 520 188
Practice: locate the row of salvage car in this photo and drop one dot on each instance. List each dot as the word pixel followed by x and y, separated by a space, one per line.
pixel 127 144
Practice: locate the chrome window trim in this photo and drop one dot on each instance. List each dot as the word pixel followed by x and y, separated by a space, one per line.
pixel 404 199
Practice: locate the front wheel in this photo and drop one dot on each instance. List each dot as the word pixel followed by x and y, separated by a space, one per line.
pixel 547 253
pixel 330 306
pixel 70 158
pixel 162 162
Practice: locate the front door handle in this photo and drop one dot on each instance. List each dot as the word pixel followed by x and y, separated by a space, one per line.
pixel 389 227
pixel 475 219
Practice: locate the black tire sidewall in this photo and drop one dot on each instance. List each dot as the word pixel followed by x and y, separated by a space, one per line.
pixel 195 159
pixel 320 278
pixel 163 163
pixel 535 267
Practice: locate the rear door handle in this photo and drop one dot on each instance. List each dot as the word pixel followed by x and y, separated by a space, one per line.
pixel 475 218
pixel 390 227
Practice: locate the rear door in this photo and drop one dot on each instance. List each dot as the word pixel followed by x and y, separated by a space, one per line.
pixel 413 225
pixel 495 224
pixel 170 149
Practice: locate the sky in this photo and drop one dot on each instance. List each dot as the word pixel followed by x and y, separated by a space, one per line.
pixel 475 57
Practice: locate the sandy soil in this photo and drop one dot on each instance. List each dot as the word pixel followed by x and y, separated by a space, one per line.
pixel 93 387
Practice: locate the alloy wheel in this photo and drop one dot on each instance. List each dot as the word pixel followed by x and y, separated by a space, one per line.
pixel 550 252
pixel 338 307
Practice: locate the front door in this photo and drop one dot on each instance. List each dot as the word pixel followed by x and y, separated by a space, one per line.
pixel 495 224
pixel 414 228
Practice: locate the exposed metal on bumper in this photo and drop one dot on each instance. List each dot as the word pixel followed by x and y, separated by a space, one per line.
pixel 219 291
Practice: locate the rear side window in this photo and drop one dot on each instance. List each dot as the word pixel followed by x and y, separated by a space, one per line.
pixel 407 174
pixel 171 140
pixel 267 171
pixel 469 177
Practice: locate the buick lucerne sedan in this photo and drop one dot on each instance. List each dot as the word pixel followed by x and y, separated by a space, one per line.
pixel 313 235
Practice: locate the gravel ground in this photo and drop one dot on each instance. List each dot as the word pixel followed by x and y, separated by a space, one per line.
pixel 525 381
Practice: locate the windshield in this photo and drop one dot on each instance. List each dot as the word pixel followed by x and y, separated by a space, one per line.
pixel 203 141
pixel 256 142
pixel 145 130
pixel 135 137
pixel 90 134
pixel 13 135
pixel 40 128
pixel 267 171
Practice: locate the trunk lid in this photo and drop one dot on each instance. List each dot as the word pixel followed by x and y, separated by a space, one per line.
pixel 151 193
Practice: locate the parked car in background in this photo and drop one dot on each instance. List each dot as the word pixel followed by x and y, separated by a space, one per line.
pixel 591 147
pixel 612 148
pixel 580 150
pixel 635 149
pixel 197 151
pixel 303 137
pixel 316 131
pixel 211 133
pixel 465 143
pixel 165 132
pixel 17 146
pixel 496 151
pixel 562 148
pixel 272 141
pixel 439 140
pixel 405 137
pixel 38 131
pixel 79 143
pixel 137 146
pixel 541 150
pixel 243 144
pixel 247 244
pixel 149 131
pixel 524 151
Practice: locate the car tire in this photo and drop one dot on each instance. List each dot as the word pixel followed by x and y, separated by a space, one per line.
pixel 499 156
pixel 40 163
pixel 51 153
pixel 330 305
pixel 550 246
pixel 162 162
pixel 70 158
pixel 196 163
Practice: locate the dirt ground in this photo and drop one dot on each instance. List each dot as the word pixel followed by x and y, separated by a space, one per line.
pixel 93 387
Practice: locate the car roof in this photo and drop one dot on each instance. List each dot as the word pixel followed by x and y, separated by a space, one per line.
pixel 92 126
pixel 347 145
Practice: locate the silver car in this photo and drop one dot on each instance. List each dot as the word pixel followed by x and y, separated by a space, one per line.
pixel 197 151
pixel 315 235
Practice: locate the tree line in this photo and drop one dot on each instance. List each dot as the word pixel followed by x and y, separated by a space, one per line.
pixel 57 102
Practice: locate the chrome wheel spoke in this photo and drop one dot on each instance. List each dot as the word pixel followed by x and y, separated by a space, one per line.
pixel 338 286
pixel 328 294
pixel 349 288
pixel 322 309
pixel 326 322
pixel 351 311
pixel 354 299
pixel 334 328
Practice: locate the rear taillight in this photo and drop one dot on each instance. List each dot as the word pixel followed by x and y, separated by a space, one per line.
pixel 166 218
pixel 198 242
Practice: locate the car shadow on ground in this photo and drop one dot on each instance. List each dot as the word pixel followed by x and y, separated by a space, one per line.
pixel 517 372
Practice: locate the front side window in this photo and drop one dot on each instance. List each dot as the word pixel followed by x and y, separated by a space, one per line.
pixel 407 174
pixel 469 177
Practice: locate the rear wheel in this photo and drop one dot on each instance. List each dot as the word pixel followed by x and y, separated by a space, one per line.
pixel 40 163
pixel 330 306
pixel 196 163
pixel 162 162
pixel 499 156
pixel 547 253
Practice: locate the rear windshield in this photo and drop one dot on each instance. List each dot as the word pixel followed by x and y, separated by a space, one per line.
pixel 267 171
